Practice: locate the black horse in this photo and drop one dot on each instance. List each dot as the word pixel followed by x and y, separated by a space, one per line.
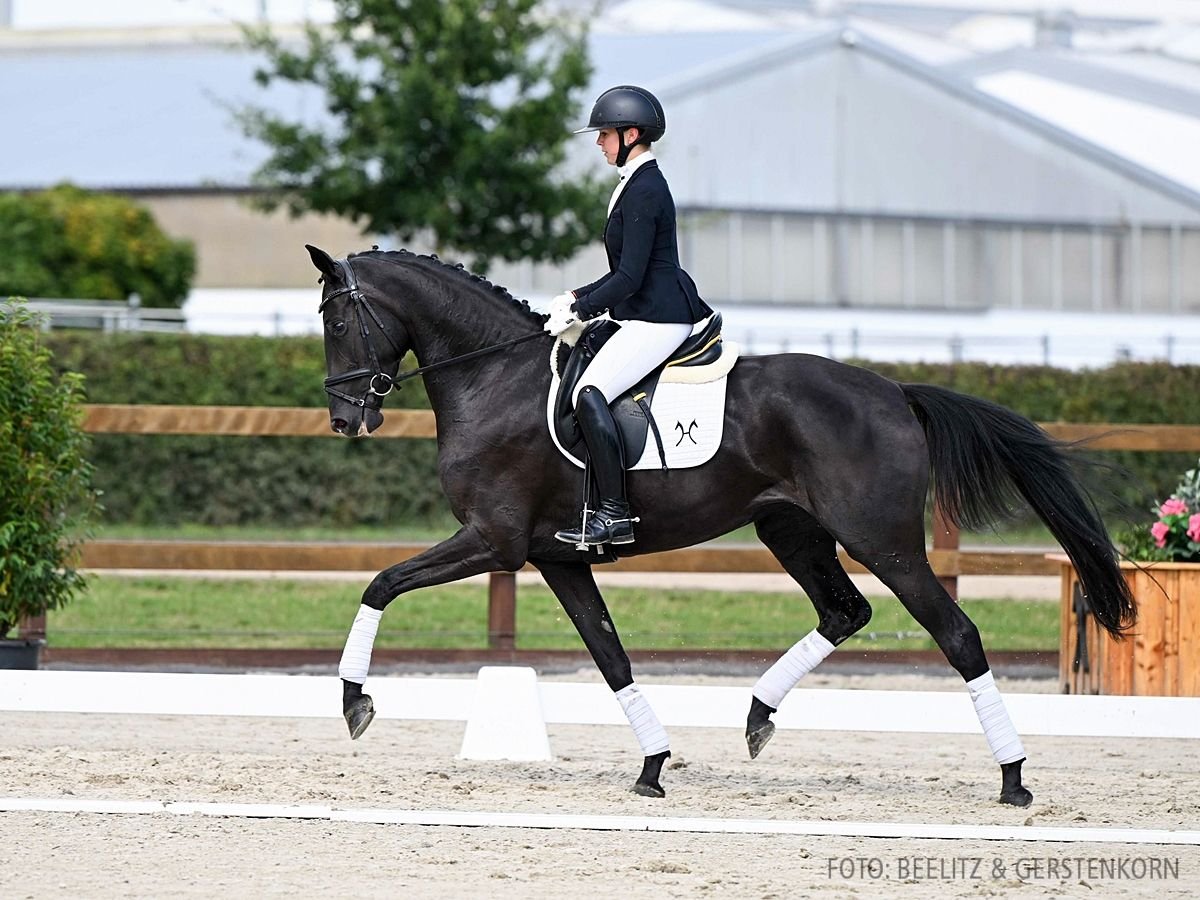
pixel 815 453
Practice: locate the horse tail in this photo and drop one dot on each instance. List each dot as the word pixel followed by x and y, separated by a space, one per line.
pixel 986 458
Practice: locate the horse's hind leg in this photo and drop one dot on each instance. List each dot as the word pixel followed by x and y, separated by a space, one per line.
pixel 910 577
pixel 809 554
pixel 576 590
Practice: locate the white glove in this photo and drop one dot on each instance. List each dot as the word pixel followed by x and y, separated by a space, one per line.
pixel 556 325
pixel 561 316
pixel 561 305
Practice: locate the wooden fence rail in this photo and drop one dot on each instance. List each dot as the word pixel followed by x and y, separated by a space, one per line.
pixel 323 556
pixel 948 561
pixel 245 421
pixel 292 421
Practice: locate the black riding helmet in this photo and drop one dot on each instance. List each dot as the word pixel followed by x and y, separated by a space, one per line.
pixel 628 106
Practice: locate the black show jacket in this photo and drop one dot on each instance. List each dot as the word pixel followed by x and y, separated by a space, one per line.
pixel 646 281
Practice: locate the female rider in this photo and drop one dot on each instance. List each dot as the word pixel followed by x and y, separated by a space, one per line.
pixel 646 291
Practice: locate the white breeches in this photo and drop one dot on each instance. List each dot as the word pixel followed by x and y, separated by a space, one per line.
pixel 629 355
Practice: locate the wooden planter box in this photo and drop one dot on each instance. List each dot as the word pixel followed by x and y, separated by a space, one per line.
pixel 1161 657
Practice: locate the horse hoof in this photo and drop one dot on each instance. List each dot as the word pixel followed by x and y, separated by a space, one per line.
pixel 648 784
pixel 758 738
pixel 1012 792
pixel 647 789
pixel 1018 797
pixel 359 715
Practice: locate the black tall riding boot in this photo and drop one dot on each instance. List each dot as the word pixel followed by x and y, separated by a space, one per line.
pixel 610 522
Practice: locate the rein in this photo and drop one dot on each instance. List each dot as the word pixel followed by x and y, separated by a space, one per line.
pixel 375 371
pixel 466 356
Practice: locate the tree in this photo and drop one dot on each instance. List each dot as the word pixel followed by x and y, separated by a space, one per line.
pixel 46 498
pixel 71 242
pixel 446 116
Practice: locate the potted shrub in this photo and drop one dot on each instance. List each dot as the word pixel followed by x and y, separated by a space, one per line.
pixel 1161 563
pixel 47 502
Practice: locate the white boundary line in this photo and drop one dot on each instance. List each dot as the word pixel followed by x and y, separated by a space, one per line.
pixel 612 823
pixel 456 699
pixel 690 706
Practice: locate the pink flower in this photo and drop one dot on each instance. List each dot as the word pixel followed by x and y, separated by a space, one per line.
pixel 1193 530
pixel 1160 530
pixel 1173 507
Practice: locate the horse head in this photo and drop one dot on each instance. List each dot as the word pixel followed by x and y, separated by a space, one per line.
pixel 379 304
pixel 362 349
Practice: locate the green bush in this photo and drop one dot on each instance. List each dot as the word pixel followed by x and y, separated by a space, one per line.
pixel 335 482
pixel 270 481
pixel 46 499
pixel 71 243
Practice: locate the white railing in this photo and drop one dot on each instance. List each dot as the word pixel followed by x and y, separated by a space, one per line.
pixel 107 315
pixel 503 701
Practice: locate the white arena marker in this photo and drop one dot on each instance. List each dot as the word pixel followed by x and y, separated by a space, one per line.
pixel 249 810
pixel 470 819
pixel 157 693
pixel 506 719
pixel 769 826
pixel 710 706
pixel 78 805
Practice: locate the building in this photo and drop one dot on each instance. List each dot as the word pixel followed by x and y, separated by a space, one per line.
pixel 857 164
pixel 880 156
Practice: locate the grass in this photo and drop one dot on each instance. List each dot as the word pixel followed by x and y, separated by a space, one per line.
pixel 119 611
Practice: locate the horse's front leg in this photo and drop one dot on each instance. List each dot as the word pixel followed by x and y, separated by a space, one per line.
pixel 461 556
pixel 576 590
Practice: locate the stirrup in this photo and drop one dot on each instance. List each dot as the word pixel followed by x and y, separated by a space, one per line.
pixel 570 536
pixel 598 529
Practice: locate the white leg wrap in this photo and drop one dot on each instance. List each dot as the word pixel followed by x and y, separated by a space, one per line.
pixel 1002 738
pixel 791 667
pixel 649 731
pixel 356 658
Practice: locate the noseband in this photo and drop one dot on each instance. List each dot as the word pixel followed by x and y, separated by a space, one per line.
pixel 381 382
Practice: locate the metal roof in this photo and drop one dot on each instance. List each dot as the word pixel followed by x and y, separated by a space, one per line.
pixel 120 113
pixel 1154 82
pixel 1146 115
pixel 1163 141
pixel 817 124
pixel 159 116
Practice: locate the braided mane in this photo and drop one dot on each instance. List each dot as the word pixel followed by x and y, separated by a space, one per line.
pixel 455 270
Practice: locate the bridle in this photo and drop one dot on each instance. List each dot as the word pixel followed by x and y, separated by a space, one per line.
pixel 381 383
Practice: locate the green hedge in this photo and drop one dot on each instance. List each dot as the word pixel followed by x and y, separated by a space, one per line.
pixel 69 242
pixel 318 481
pixel 167 480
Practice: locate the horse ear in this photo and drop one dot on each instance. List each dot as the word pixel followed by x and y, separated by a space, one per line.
pixel 324 263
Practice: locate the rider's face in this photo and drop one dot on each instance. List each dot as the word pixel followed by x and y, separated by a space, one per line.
pixel 609 142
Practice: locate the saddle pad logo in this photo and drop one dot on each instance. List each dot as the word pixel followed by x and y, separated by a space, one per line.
pixel 692 420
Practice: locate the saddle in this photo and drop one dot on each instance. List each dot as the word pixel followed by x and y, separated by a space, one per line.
pixel 631 410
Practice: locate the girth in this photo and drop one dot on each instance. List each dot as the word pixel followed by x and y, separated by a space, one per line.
pixel 631 409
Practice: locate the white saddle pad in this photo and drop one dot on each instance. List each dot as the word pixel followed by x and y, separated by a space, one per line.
pixel 690 413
